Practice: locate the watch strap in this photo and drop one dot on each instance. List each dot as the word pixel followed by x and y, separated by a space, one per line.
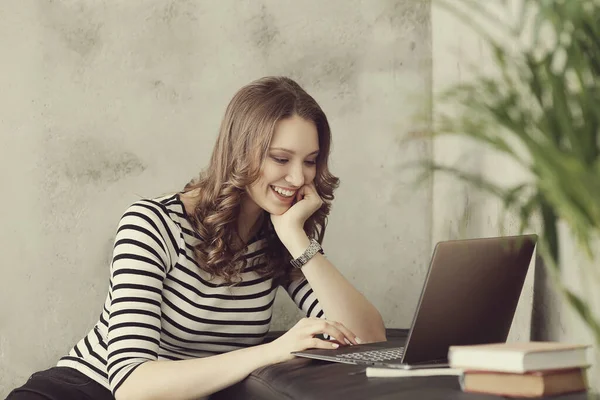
pixel 313 248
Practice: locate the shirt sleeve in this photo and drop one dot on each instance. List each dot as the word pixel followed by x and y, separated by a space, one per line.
pixel 304 297
pixel 141 259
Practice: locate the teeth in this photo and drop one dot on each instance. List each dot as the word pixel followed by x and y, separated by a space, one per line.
pixel 286 193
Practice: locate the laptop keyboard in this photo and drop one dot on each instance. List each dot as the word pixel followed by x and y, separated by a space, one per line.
pixel 375 355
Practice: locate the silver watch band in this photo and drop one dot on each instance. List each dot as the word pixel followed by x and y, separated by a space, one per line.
pixel 313 248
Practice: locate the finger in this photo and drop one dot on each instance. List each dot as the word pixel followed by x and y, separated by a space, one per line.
pixel 309 190
pixel 324 327
pixel 310 197
pixel 315 343
pixel 311 193
pixel 347 332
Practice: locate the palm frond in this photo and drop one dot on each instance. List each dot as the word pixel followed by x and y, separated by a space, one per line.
pixel 542 111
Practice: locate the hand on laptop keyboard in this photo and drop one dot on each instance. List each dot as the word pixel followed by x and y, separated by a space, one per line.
pixel 302 336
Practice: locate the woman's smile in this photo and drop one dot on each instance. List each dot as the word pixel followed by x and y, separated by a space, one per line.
pixel 283 195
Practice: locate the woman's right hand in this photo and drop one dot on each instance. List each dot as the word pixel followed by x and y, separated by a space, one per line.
pixel 301 337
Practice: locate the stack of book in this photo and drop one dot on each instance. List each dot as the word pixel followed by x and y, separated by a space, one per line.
pixel 525 369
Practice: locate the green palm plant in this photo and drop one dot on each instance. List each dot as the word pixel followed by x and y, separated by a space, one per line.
pixel 541 108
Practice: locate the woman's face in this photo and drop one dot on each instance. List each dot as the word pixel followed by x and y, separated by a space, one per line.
pixel 290 164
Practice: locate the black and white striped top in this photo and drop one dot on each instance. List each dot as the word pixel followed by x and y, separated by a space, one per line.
pixel 162 306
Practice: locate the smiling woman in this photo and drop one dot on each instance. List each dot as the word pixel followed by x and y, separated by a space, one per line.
pixel 194 274
pixel 291 164
pixel 273 134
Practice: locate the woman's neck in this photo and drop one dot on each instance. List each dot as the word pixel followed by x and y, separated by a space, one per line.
pixel 250 220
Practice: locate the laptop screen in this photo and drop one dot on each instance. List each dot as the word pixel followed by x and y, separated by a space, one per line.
pixel 470 295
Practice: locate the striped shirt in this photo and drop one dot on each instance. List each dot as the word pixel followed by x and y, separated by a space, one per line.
pixel 162 306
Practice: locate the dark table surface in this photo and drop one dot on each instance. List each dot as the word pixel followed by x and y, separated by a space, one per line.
pixel 305 379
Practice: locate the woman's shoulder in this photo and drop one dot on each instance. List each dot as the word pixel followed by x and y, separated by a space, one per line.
pixel 172 205
pixel 167 208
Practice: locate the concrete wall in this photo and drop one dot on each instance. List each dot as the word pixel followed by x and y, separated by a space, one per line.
pixel 458 209
pixel 106 102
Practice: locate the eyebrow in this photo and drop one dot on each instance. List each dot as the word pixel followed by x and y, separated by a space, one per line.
pixel 292 151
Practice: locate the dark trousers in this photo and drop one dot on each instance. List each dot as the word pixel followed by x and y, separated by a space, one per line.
pixel 60 383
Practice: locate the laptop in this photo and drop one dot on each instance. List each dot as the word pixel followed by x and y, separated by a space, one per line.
pixel 469 297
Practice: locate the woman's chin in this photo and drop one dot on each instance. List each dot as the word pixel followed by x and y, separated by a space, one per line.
pixel 277 210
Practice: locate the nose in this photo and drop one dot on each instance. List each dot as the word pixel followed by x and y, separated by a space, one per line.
pixel 295 176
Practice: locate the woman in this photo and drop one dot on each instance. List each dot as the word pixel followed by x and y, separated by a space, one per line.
pixel 194 274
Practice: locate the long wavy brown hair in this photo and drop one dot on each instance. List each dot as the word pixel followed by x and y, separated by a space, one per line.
pixel 244 138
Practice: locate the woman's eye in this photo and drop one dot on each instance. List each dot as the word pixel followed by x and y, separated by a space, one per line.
pixel 311 162
pixel 279 160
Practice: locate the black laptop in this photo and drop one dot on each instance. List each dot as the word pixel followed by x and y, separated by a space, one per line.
pixel 469 297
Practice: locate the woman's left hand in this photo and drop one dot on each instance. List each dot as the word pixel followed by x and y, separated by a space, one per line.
pixel 292 221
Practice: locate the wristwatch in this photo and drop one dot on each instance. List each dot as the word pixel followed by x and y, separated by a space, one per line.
pixel 313 248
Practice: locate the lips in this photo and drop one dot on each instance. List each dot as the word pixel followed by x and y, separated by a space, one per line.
pixel 284 192
pixel 281 197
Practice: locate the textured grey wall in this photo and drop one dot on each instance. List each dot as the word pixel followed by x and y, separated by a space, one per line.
pixel 106 102
pixel 460 211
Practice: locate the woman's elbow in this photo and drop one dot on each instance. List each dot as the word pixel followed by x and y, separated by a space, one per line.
pixel 377 333
pixel 125 392
pixel 120 394
pixel 380 335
